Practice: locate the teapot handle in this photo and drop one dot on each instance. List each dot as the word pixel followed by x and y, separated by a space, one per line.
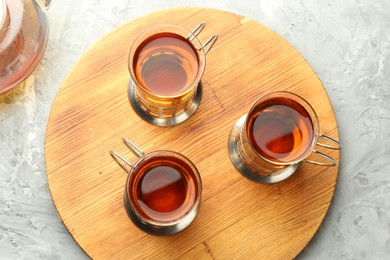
pixel 44 3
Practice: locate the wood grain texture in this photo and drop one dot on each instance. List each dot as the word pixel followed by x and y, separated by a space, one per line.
pixel 91 114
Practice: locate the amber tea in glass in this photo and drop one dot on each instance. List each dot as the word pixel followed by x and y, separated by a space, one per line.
pixel 278 133
pixel 163 187
pixel 280 129
pixel 166 63
pixel 162 192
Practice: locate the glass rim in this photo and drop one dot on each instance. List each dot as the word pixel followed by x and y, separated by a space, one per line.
pixel 300 100
pixel 197 182
pixel 3 12
pixel 201 63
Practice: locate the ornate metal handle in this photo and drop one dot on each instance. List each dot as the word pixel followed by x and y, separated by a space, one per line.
pixel 118 158
pixel 336 146
pixel 210 41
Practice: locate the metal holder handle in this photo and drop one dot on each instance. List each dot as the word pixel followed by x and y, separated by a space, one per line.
pixel 118 158
pixel 336 146
pixel 211 41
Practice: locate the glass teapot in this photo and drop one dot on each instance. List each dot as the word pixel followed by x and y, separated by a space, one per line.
pixel 23 38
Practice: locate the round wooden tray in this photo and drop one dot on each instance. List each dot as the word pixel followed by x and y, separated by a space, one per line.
pixel 91 114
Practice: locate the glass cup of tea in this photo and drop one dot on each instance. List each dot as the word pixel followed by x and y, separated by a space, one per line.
pixel 166 63
pixel 277 134
pixel 162 192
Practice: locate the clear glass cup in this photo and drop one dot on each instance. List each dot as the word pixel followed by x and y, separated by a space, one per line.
pixel 166 63
pixel 162 192
pixel 278 133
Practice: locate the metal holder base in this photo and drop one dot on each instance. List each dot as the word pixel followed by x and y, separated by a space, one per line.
pixel 164 121
pixel 272 177
pixel 162 230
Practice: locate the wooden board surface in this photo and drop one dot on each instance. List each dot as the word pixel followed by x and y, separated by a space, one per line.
pixel 91 114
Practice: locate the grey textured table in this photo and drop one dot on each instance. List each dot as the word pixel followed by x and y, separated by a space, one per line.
pixel 346 42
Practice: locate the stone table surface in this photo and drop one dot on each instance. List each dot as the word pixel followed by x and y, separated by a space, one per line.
pixel 346 42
